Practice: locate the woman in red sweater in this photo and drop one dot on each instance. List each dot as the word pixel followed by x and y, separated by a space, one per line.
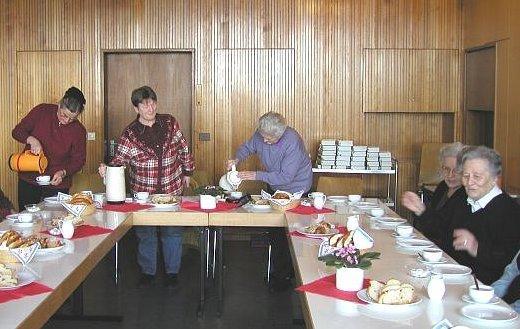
pixel 54 130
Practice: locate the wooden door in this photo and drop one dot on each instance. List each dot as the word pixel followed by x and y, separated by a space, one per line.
pixel 169 74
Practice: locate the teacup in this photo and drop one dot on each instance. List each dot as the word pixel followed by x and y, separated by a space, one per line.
pixel 99 199
pixel 354 198
pixel 432 254
pixel 482 295
pixel 32 207
pixel 141 196
pixel 377 212
pixel 25 217
pixel 43 179
pixel 404 230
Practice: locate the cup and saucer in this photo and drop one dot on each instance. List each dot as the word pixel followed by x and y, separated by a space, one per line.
pixel 43 180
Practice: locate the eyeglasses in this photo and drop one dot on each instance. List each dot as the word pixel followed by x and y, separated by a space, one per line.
pixel 447 171
pixel 67 115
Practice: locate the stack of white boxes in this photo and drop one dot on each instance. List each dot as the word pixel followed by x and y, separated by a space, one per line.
pixel 343 154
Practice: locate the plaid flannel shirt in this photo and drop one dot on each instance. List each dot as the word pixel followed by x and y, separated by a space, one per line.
pixel 148 171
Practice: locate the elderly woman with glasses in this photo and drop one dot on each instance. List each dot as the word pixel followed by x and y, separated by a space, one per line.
pixel 52 129
pixel 432 220
pixel 484 234
pixel 287 167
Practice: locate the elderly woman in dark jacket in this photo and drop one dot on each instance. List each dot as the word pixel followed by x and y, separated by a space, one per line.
pixel 484 233
pixel 433 220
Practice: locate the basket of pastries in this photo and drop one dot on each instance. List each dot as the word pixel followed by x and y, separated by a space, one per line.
pixel 12 241
pixel 77 201
pixel 76 221
pixel 7 277
pixel 283 201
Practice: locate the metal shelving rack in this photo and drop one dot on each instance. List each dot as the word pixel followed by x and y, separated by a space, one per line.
pixel 390 199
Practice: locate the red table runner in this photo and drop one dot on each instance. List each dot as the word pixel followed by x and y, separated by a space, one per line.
pixel 126 207
pixel 341 229
pixel 306 210
pixel 84 231
pixel 326 286
pixel 221 206
pixel 32 289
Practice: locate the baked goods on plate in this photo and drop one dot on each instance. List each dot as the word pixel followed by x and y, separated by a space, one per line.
pixel 393 292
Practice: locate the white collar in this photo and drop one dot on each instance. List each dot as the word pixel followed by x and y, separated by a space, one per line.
pixel 483 202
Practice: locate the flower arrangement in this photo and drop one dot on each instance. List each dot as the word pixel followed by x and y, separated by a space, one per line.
pixel 350 257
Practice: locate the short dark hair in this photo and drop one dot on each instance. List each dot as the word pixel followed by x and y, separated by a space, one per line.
pixel 73 100
pixel 142 93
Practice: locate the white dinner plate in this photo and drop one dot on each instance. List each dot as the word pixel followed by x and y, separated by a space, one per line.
pixel 361 204
pixel 424 261
pixel 363 295
pixel 16 223
pixel 493 301
pixel 51 200
pixel 393 221
pixel 310 235
pixel 260 207
pixel 164 205
pixel 48 251
pixel 337 198
pixel 397 236
pixel 489 313
pixel 414 243
pixel 24 276
pixel 451 270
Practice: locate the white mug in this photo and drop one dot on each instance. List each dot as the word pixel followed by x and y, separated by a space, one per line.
pixel 143 196
pixel 66 228
pixel 352 222
pixel 99 199
pixel 24 217
pixel 319 200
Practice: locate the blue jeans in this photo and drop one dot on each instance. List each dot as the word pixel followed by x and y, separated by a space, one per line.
pixel 171 238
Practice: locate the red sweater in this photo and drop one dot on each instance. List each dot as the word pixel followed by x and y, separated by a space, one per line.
pixel 63 145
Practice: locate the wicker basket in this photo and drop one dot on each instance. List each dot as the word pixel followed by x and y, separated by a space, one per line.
pixel 293 204
pixel 7 257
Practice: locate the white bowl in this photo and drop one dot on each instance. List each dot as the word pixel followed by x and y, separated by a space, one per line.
pixel 25 217
pixel 354 198
pixel 483 295
pixel 432 254
pixel 404 230
pixel 377 212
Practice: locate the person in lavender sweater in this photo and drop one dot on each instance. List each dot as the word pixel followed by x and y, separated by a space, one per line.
pixel 288 168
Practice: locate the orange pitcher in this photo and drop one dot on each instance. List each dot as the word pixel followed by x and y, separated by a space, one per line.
pixel 26 161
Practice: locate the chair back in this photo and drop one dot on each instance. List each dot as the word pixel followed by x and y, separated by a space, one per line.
pixel 429 169
pixel 87 182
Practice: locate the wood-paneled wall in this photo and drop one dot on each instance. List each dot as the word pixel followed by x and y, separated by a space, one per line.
pixel 496 23
pixel 306 58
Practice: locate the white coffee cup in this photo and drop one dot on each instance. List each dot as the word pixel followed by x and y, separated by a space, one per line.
pixel 354 198
pixel 43 179
pixel 141 195
pixel 99 199
pixel 319 199
pixel 377 212
pixel 483 295
pixel 432 254
pixel 208 202
pixel 66 228
pixel 24 217
pixel 404 230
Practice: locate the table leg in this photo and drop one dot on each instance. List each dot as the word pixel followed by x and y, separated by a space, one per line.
pixel 202 246
pixel 220 242
pixel 116 265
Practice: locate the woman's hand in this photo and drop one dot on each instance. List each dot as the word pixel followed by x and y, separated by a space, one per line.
pixel 465 240
pixel 247 175
pixel 412 202
pixel 58 177
pixel 230 163
pixel 102 170
pixel 36 146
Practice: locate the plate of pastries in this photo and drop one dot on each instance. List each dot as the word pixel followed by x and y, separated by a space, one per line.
pixel 163 200
pixel 11 278
pixel 393 292
pixel 77 221
pixel 319 230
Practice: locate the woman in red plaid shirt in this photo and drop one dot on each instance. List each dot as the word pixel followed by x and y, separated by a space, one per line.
pixel 159 161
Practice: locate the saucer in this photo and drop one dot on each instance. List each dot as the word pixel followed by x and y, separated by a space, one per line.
pixel 424 261
pixel 397 236
pixel 493 301
pixel 43 183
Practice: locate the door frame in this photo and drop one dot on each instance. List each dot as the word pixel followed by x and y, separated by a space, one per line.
pixel 105 52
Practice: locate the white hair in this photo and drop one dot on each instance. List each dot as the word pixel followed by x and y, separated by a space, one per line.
pixel 494 159
pixel 272 124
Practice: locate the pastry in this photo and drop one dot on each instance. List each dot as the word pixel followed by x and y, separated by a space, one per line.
pixel 393 292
